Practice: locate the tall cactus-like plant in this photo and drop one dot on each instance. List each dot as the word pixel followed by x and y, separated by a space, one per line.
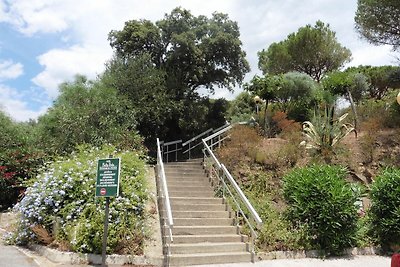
pixel 325 132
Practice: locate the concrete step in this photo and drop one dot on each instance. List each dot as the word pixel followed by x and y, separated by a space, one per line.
pixel 184 170
pixel 208 248
pixel 204 230
pixel 193 188
pixel 209 258
pixel 214 238
pixel 198 207
pixel 201 214
pixel 208 193
pixel 187 166
pixel 195 200
pixel 203 221
pixel 186 162
pixel 177 179
pixel 202 182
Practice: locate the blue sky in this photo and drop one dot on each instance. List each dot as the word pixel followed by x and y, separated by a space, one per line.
pixel 46 42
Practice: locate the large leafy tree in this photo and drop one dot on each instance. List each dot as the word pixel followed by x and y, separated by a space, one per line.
pixel 143 84
pixel 313 50
pixel 379 21
pixel 193 51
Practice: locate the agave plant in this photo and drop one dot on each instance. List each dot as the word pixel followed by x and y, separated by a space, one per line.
pixel 325 132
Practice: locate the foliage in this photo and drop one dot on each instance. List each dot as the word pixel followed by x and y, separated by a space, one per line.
pixel 144 86
pixel 241 108
pixel 379 78
pixel 325 132
pixel 352 86
pixel 194 51
pixel 88 112
pixel 378 21
pixel 19 158
pixel 384 212
pixel 385 111
pixel 242 142
pixel 311 50
pixel 61 204
pixel 160 66
pixel 296 93
pixel 285 125
pixel 322 204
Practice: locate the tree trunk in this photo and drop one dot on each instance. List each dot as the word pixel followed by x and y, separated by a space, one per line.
pixel 353 108
pixel 266 123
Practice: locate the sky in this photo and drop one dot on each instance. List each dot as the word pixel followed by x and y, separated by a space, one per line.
pixel 46 42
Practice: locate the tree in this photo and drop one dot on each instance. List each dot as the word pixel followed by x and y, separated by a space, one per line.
pixel 266 88
pixel 144 86
pixel 349 84
pixel 193 51
pixel 312 50
pixel 378 21
pixel 380 79
pixel 296 93
pixel 88 112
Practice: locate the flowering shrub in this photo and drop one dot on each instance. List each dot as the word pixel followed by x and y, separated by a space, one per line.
pixel 60 207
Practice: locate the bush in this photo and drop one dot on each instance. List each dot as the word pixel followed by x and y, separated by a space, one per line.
pixel 61 207
pixel 322 204
pixel 385 208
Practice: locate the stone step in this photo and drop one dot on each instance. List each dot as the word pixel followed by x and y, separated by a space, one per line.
pixel 214 238
pixel 209 258
pixel 208 248
pixel 198 207
pixel 195 200
pixel 204 230
pixel 208 193
pixel 203 221
pixel 200 214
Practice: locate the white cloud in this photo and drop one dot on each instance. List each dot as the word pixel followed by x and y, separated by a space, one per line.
pixel 10 70
pixel 14 105
pixel 61 65
pixel 374 56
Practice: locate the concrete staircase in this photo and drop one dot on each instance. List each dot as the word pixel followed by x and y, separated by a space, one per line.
pixel 203 231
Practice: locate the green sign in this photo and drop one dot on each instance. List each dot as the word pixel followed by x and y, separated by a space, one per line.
pixel 107 182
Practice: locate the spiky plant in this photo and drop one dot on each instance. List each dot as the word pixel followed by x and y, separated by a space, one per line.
pixel 325 132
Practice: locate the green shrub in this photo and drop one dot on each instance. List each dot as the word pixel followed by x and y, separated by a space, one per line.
pixel 385 207
pixel 322 204
pixel 61 206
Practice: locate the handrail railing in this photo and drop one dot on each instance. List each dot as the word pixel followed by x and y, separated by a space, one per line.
pixel 166 149
pixel 226 182
pixel 218 136
pixel 164 195
pixel 189 142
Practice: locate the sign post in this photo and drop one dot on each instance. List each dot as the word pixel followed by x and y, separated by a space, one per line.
pixel 107 185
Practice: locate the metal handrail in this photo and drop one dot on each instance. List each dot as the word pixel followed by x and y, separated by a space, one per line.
pixel 166 151
pixel 168 222
pixel 221 171
pixel 189 142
